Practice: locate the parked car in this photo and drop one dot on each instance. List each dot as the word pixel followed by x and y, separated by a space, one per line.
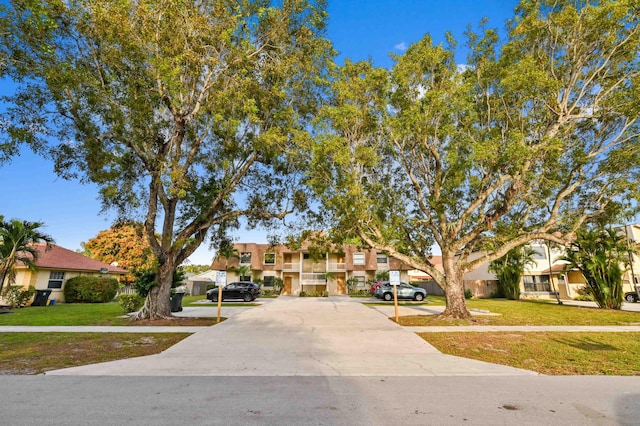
pixel 244 290
pixel 405 291
pixel 631 296
pixel 375 286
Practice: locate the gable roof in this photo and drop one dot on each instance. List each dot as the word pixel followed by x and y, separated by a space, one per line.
pixel 61 258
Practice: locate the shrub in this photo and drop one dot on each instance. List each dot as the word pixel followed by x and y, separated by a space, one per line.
pixel 359 292
pixel 269 292
pixel 90 289
pixel 145 279
pixel 584 295
pixel 131 302
pixel 468 294
pixel 314 294
pixel 18 296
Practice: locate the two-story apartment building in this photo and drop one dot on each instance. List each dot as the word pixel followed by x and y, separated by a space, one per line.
pixel 307 270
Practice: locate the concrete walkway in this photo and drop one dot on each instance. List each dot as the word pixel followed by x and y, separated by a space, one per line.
pixel 293 336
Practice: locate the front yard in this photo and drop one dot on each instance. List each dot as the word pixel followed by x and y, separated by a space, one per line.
pixel 558 353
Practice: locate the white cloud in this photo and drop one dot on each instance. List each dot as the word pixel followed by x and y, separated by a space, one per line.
pixel 402 46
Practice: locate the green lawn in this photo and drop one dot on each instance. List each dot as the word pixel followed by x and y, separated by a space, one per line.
pixel 551 353
pixel 527 312
pixel 66 314
pixel 100 314
pixel 197 302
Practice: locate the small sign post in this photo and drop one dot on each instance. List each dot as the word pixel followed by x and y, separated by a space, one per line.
pixel 221 280
pixel 394 280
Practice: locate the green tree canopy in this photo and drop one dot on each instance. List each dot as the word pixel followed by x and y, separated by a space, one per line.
pixel 534 136
pixel 184 113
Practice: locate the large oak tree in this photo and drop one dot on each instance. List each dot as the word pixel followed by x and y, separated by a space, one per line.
pixel 534 136
pixel 183 112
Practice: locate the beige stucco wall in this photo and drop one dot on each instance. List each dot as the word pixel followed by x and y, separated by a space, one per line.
pixel 40 280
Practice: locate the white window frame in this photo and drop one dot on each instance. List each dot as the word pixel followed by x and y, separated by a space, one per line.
pixel 243 256
pixel 359 258
pixel 271 254
pixel 56 277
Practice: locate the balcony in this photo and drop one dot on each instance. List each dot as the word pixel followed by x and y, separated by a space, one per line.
pixel 291 267
pixel 337 266
pixel 313 279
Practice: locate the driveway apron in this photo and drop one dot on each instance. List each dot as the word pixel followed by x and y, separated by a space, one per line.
pixel 293 336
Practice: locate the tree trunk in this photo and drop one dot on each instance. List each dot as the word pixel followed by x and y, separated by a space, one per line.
pixel 157 305
pixel 454 290
pixel 3 276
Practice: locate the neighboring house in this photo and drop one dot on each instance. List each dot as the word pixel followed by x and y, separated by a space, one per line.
pixel 197 284
pixel 300 270
pixel 569 282
pixel 56 265
pixel 548 274
pixel 480 281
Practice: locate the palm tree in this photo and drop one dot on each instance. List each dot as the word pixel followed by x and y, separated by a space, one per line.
pixel 228 251
pixel 509 270
pixel 601 255
pixel 243 271
pixel 16 245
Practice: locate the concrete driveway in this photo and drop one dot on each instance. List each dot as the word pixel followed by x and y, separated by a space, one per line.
pixel 293 336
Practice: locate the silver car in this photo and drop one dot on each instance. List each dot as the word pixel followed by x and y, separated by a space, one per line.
pixel 405 291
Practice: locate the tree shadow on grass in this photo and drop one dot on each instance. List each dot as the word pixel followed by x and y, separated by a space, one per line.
pixel 586 344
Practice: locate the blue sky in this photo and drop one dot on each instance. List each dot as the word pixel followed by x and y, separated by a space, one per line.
pixel 359 29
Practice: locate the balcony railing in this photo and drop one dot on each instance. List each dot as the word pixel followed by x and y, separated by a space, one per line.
pixel 313 278
pixel 333 266
pixel 291 266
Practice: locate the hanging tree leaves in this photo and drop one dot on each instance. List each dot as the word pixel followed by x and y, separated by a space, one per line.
pixel 533 137
pixel 184 113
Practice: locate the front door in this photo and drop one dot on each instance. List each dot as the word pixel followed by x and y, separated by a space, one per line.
pixel 341 285
pixel 287 285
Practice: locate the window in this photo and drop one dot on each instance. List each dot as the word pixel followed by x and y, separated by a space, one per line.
pixel 536 283
pixel 539 252
pixel 245 257
pixel 269 258
pixel 267 281
pixel 382 258
pixel 55 279
pixel 360 282
pixel 358 258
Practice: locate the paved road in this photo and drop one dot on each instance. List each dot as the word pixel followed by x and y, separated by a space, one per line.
pixel 293 336
pixel 366 401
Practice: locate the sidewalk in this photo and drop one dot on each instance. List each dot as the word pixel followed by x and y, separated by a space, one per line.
pixel 293 336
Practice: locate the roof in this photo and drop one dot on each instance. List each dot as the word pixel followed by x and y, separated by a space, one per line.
pixel 204 276
pixel 61 258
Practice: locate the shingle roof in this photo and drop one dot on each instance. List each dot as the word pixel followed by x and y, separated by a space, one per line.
pixel 61 258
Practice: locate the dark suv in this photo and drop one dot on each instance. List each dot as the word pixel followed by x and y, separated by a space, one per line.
pixel 244 290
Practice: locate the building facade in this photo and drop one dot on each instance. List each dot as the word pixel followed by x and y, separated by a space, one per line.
pixel 306 269
pixel 56 265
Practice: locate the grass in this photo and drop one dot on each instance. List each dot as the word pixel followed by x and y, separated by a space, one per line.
pixel 97 314
pixel 551 353
pixel 528 312
pixel 35 353
pixel 197 302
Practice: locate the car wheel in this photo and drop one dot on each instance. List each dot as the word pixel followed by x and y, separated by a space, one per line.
pixel 214 298
pixel 247 297
pixel 630 297
pixel 387 296
pixel 418 297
